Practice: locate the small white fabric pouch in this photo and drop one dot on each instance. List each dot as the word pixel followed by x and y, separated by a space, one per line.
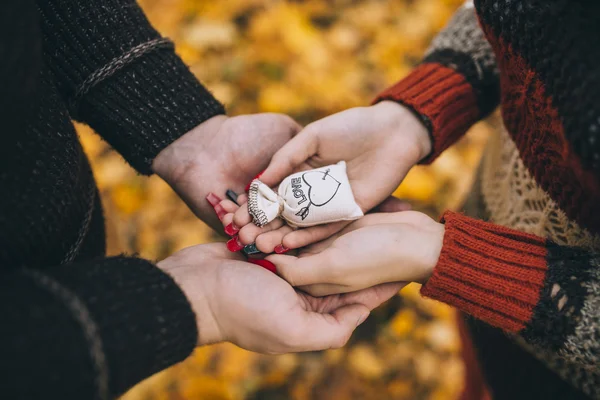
pixel 308 198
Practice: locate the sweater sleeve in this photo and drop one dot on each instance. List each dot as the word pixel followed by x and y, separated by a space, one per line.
pixel 118 75
pixel 109 323
pixel 456 84
pixel 547 294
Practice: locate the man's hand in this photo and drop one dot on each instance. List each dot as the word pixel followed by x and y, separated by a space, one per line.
pixel 242 303
pixel 379 144
pixel 222 153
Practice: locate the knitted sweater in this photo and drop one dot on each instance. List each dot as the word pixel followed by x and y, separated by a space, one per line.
pixel 529 277
pixel 75 324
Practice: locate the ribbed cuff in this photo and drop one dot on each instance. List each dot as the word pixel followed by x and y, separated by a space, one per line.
pixel 494 273
pixel 443 98
pixel 147 106
pixel 136 318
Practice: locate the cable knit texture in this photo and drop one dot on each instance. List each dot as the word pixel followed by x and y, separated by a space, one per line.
pixel 529 278
pixel 77 325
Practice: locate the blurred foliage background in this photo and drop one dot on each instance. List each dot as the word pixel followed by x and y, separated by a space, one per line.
pixel 309 59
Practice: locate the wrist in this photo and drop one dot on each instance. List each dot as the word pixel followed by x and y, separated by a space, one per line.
pixel 194 168
pixel 417 245
pixel 433 250
pixel 405 124
pixel 198 296
pixel 174 161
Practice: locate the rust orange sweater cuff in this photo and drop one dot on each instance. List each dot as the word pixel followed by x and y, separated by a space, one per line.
pixel 443 99
pixel 494 273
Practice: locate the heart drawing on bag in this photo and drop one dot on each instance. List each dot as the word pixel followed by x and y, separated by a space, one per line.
pixel 322 188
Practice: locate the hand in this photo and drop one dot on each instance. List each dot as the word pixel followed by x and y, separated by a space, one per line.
pixel 379 144
pixel 238 224
pixel 379 248
pixel 242 303
pixel 222 153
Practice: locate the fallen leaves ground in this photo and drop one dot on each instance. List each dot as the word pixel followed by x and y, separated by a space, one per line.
pixel 308 59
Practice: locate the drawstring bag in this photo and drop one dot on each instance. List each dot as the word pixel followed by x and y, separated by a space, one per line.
pixel 308 198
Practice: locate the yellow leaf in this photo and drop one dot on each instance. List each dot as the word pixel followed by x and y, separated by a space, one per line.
pixel 127 198
pixel 364 361
pixel 418 185
pixel 202 387
pixel 403 322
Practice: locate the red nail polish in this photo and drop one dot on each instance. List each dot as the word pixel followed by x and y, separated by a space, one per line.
pixel 281 249
pixel 220 211
pixel 268 265
pixel 215 202
pixel 234 245
pixel 213 199
pixel 231 229
pixel 256 177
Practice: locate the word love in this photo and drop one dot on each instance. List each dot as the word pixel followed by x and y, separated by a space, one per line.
pixel 297 190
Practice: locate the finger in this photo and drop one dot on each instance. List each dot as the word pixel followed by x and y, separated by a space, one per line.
pixel 304 271
pixel 330 331
pixel 229 206
pixel 226 221
pixel 241 218
pixel 392 204
pixel 325 289
pixel 215 202
pixel 250 232
pixel 374 296
pixel 302 147
pixel 304 237
pixel 371 297
pixel 242 199
pixel 234 244
pixel 270 242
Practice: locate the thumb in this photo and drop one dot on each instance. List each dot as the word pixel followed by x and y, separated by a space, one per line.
pixel 295 152
pixel 332 331
pixel 301 271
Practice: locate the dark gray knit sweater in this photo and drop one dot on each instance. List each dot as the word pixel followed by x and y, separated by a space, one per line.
pixel 75 324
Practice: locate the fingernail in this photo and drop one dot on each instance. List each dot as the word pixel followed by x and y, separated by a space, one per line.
pixel 220 211
pixel 215 202
pixel 235 245
pixel 281 249
pixel 268 265
pixel 231 229
pixel 233 196
pixel 250 250
pixel 362 319
pixel 213 199
pixel 250 183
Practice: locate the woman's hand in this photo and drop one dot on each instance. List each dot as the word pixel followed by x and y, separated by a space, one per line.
pixel 255 309
pixel 379 144
pixel 379 248
pixel 237 223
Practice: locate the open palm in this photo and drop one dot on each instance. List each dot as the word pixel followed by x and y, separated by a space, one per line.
pixel 240 302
